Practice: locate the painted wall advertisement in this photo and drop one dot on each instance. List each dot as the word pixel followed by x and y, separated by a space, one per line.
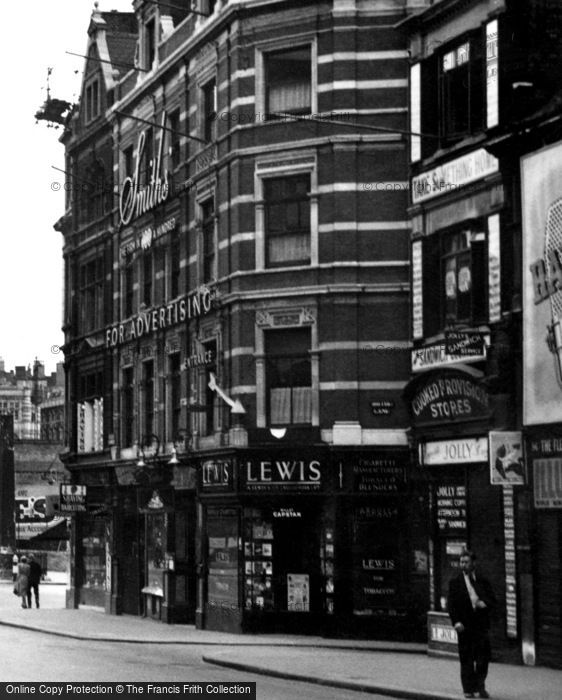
pixel 542 285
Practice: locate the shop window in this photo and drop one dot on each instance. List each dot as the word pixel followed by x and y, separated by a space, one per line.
pixel 93 551
pixel 288 376
pixel 209 104
pixel 288 81
pixel 147 274
pixel 258 561
pixel 156 545
pixel 159 257
pixel 222 558
pixel 148 390
pixel 91 314
pixel 287 220
pixel 208 240
pixel 127 407
pixel 461 74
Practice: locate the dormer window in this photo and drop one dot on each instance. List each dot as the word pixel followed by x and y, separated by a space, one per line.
pixel 149 43
pixel 92 94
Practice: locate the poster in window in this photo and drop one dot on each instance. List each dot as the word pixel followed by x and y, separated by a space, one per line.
pixel 507 466
pixel 298 593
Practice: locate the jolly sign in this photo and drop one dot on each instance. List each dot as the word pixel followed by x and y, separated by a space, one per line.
pixel 135 200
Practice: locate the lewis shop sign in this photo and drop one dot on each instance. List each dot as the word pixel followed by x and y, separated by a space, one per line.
pixel 282 474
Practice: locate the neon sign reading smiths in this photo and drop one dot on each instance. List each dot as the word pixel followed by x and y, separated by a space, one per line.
pixel 135 200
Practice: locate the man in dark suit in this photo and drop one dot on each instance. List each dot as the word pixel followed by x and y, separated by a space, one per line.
pixel 34 579
pixel 470 601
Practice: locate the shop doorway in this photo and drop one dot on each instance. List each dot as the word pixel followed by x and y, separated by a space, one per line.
pixel 130 570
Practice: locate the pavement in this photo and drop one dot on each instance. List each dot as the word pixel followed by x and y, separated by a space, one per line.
pixel 393 669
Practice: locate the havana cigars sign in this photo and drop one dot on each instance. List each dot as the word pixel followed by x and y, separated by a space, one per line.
pixel 135 199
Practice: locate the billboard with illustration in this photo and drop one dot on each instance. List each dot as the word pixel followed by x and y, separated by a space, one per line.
pixel 541 176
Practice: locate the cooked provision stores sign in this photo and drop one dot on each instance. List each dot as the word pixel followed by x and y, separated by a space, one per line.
pixel 449 397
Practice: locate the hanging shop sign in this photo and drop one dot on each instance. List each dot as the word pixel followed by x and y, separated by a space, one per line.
pixel 72 498
pixel 445 397
pixel 437 355
pixel 542 288
pixel 282 475
pixel 194 305
pixel 136 199
pixel 453 175
pixel 507 466
pixel 217 474
pixel 462 451
pixel 464 344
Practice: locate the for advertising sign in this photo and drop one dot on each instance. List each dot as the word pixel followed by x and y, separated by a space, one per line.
pixel 541 176
pixel 507 466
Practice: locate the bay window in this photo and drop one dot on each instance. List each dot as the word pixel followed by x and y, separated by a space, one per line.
pixel 287 220
pixel 288 376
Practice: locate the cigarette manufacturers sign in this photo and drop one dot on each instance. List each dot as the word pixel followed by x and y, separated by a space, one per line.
pixel 72 498
pixel 541 176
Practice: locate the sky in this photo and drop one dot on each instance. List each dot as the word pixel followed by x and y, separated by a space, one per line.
pixel 37 35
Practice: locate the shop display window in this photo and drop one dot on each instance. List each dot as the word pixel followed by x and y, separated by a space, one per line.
pixel 222 528
pixel 258 562
pixel 327 567
pixel 156 538
pixel 93 554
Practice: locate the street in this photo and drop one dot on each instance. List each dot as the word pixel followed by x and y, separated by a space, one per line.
pixel 33 656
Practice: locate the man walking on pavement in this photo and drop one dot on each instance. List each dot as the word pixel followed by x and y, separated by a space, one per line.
pixel 471 599
pixel 34 579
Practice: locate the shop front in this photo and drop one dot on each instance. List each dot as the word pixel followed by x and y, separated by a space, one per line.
pixel 471 473
pixel 314 542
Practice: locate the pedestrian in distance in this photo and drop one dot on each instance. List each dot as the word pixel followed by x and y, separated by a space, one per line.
pixel 15 562
pixel 471 600
pixel 35 573
pixel 22 582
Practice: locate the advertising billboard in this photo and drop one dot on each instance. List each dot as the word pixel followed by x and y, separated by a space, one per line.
pixel 541 177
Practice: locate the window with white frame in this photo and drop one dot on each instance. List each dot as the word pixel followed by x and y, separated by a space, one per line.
pixel 287 220
pixel 288 376
pixel 89 433
pixel 288 81
pixel 461 74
